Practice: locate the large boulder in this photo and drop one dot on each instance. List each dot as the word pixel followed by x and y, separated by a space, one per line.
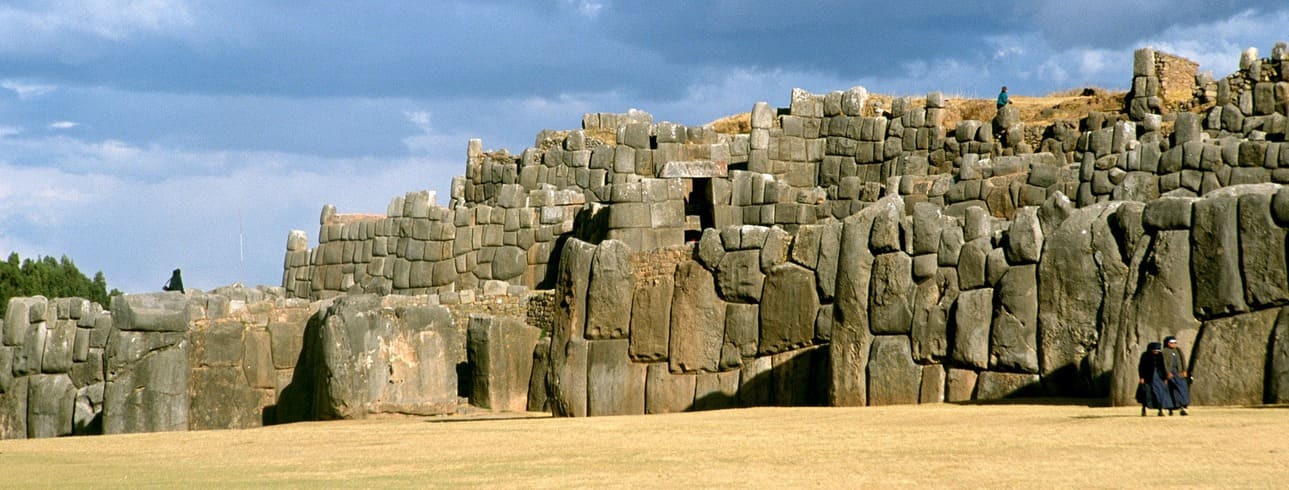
pixel 788 309
pixel 1215 263
pixel 221 399
pixel 1278 376
pixel 1262 252
pixel 995 385
pixel 566 379
pixel 739 276
pixel 157 312
pixel 538 399
pixel 893 377
pixel 891 304
pixel 1230 358
pixel 1080 299
pixel 501 359
pixel 615 385
pixel 932 306
pixel 380 357
pixel 666 392
pixel 651 317
pixel 829 260
pixel 50 399
pixel 13 409
pixel 697 321
pixel 742 327
pixel 147 382
pixel 612 282
pixel 1157 303
pixel 1013 343
pixel 851 335
pixel 971 328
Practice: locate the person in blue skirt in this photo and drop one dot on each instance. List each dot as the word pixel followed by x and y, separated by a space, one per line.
pixel 1152 391
pixel 1179 385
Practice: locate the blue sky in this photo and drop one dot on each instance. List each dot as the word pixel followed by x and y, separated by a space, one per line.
pixel 141 136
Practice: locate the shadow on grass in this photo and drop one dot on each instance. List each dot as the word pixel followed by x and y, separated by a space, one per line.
pixel 1045 401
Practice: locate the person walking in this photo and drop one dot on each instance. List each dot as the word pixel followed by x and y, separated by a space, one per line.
pixel 1179 386
pixel 1002 98
pixel 1152 389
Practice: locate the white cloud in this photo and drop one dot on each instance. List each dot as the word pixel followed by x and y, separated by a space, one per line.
pixel 585 8
pixel 136 228
pixel 6 131
pixel 63 125
pixel 109 19
pixel 1217 45
pixel 25 89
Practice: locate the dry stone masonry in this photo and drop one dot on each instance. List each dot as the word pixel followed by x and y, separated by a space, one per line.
pixel 832 252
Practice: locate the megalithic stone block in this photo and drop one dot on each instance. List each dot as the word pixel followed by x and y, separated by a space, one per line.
pixel 893 378
pixel 697 321
pixel 501 356
pixel 1230 357
pixel 615 385
pixel 13 409
pixel 971 324
pixel 666 392
pixel 611 284
pixel 890 308
pixel 159 312
pixel 788 309
pixel 651 317
pixel 147 383
pixel 59 345
pixel 1014 339
pixel 538 398
pixel 851 336
pixel 17 319
pixel 1215 257
pixel 1262 252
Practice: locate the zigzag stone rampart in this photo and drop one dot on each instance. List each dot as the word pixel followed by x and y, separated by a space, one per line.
pixel 832 252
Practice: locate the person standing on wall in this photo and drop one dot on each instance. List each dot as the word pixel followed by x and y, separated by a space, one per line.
pixel 1179 386
pixel 1152 390
pixel 176 282
pixel 1002 98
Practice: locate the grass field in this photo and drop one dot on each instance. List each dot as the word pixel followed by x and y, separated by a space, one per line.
pixel 1014 445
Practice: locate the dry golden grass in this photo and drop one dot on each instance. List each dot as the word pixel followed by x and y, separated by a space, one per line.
pixel 928 445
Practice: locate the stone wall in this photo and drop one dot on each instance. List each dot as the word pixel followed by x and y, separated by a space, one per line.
pixel 238 358
pixel 889 306
pixel 52 367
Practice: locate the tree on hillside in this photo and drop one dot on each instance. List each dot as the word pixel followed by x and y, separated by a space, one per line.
pixel 51 278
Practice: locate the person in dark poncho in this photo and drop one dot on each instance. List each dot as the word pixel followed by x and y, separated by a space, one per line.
pixel 176 283
pixel 1179 386
pixel 1152 391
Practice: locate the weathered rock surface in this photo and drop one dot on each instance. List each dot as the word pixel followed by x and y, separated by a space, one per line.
pixel 1014 340
pixel 893 378
pixel 1219 288
pixel 666 392
pixel 1230 357
pixel 788 309
pixel 891 305
pixel 377 359
pixel 651 318
pixel 851 336
pixel 615 385
pixel 971 321
pixel 501 358
pixel 995 385
pixel 739 276
pixel 1079 298
pixel 609 292
pixel 697 321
